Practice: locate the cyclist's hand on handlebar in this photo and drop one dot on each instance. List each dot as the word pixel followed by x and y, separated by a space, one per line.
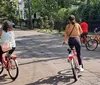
pixel 64 43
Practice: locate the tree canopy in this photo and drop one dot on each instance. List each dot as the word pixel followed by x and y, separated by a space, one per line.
pixel 8 8
pixel 57 9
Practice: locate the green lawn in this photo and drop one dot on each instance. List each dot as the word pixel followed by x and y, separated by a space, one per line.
pixel 57 32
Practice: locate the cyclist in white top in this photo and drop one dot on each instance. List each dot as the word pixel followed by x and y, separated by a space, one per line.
pixel 12 39
pixel 4 35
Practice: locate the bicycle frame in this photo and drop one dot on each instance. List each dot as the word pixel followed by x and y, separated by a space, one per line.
pixel 11 65
pixel 73 55
pixel 6 62
pixel 72 59
pixel 96 37
pixel 83 40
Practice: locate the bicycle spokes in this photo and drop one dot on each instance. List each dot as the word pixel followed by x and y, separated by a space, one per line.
pixel 92 44
pixel 13 69
pixel 1 68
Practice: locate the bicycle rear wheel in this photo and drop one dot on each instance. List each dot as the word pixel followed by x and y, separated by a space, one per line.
pixel 13 68
pixel 74 70
pixel 1 67
pixel 92 44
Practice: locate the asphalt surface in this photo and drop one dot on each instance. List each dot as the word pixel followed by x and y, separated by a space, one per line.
pixel 43 61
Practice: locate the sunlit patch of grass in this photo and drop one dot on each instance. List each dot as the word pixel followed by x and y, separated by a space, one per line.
pixel 91 33
pixel 51 31
pixel 48 31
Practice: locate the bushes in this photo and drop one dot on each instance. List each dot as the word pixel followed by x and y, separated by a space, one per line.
pixel 89 11
pixel 46 22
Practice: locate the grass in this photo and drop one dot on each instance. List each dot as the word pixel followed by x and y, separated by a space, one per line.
pixel 48 31
pixel 91 33
pixel 51 32
pixel 57 32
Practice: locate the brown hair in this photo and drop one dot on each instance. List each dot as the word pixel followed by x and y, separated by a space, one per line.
pixel 71 17
pixel 6 25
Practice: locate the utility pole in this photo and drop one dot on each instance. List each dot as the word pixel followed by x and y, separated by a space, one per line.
pixel 30 17
pixel 19 15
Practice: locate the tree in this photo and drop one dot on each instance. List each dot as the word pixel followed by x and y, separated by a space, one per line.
pixel 90 11
pixel 8 8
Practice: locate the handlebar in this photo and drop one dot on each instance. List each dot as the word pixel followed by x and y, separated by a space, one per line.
pixel 95 30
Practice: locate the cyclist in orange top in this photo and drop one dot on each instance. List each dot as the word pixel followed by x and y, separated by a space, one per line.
pixel 84 27
pixel 72 33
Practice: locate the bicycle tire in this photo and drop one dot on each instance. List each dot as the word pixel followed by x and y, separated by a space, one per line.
pixel 15 67
pixel 89 44
pixel 74 70
pixel 1 68
pixel 87 39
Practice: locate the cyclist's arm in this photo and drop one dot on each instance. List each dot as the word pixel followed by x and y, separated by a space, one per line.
pixel 80 29
pixel 65 35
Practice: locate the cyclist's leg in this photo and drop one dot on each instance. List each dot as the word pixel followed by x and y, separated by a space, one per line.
pixel 82 38
pixel 11 51
pixel 86 34
pixel 1 53
pixel 70 43
pixel 85 37
pixel 78 50
pixel 77 45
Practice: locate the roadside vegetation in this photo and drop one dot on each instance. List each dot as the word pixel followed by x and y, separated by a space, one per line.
pixel 51 14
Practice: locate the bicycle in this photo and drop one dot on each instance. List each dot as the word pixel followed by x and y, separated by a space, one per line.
pixel 72 59
pixel 11 65
pixel 92 44
pixel 85 39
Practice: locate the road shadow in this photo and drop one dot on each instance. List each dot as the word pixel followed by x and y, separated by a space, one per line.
pixel 4 79
pixel 63 76
pixel 46 45
pixel 38 61
pixel 39 46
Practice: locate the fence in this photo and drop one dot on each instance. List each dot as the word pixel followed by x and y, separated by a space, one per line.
pixel 93 24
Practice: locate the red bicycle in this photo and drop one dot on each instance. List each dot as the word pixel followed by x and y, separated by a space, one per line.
pixel 92 44
pixel 85 39
pixel 72 59
pixel 11 65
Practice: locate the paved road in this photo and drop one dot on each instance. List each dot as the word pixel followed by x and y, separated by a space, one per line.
pixel 42 61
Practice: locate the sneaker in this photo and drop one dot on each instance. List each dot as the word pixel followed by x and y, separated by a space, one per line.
pixel 80 68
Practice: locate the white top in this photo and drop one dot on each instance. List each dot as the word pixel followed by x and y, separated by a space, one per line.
pixel 12 38
pixel 4 37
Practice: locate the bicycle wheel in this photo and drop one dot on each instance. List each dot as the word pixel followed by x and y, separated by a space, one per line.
pixel 88 37
pixel 1 67
pixel 13 68
pixel 92 44
pixel 74 70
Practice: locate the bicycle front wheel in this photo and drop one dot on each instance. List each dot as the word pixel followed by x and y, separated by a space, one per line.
pixel 13 68
pixel 91 45
pixel 1 67
pixel 74 70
